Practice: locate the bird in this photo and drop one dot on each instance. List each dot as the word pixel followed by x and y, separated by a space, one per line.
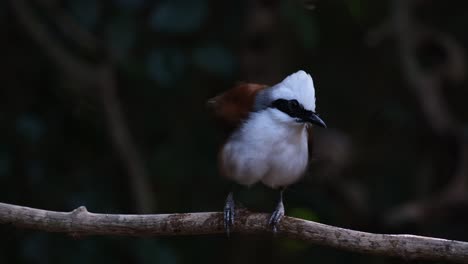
pixel 267 136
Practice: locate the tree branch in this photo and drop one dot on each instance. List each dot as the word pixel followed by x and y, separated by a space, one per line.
pixel 80 222
pixel 140 180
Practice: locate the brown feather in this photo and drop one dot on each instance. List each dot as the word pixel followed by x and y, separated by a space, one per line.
pixel 234 105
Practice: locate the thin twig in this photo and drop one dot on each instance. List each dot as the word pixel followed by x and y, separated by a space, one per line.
pixel 427 87
pixel 69 27
pixel 80 222
pixel 101 76
pixel 140 179
pixel 37 29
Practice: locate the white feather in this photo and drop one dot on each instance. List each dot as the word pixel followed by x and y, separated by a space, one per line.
pixel 299 86
pixel 266 148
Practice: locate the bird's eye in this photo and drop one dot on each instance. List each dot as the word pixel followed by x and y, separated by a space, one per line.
pixel 294 104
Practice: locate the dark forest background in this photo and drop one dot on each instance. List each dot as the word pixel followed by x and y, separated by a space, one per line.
pixel 102 104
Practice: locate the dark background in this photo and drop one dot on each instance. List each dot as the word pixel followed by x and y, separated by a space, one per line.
pixel 102 104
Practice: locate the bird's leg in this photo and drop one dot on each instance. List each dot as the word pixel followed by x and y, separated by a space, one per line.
pixel 278 213
pixel 229 213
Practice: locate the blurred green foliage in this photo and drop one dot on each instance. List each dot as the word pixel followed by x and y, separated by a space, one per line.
pixel 214 58
pixel 121 36
pixel 302 22
pixel 179 16
pixel 85 12
pixel 166 66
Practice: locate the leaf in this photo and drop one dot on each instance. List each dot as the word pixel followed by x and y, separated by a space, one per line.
pixel 30 127
pixel 86 12
pixel 179 16
pixel 355 8
pixel 153 251
pixel 294 245
pixel 166 66
pixel 129 4
pixel 120 36
pixel 302 22
pixel 303 213
pixel 215 59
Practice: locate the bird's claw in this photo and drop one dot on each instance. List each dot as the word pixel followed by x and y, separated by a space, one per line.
pixel 229 213
pixel 276 216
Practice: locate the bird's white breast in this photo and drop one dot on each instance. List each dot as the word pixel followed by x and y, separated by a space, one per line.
pixel 266 149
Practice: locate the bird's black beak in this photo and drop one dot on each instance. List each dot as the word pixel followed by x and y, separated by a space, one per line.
pixel 313 118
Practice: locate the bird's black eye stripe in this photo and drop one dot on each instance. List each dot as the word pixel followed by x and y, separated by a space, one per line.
pixel 293 104
pixel 291 107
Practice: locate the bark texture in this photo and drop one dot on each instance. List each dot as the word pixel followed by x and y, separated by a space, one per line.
pixel 80 222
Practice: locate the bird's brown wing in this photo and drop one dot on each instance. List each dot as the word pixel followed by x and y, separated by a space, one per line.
pixel 234 105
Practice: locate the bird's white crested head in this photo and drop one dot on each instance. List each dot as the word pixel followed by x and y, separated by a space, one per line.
pixel 292 101
pixel 298 86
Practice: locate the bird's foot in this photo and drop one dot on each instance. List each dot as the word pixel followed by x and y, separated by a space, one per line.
pixel 277 216
pixel 229 213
